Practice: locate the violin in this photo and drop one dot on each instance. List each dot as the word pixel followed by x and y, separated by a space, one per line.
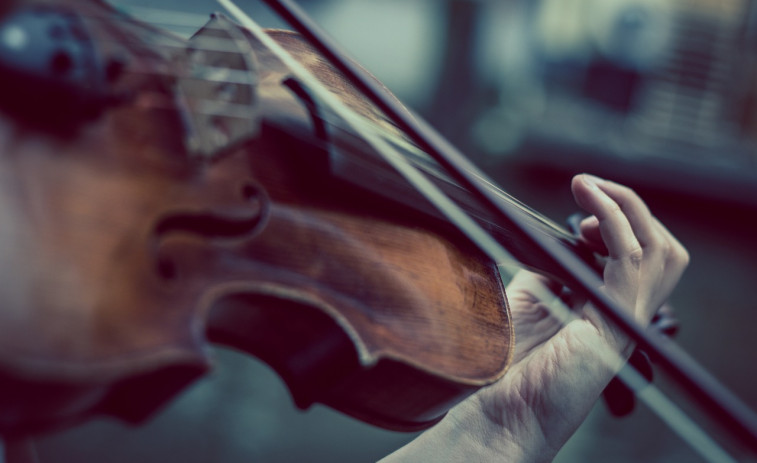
pixel 162 195
pixel 142 233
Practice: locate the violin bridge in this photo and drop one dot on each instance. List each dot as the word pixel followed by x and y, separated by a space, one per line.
pixel 218 96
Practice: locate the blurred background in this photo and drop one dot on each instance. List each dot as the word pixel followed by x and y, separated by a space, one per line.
pixel 658 94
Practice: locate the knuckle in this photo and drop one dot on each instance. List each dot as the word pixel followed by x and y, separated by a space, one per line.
pixel 635 256
pixel 677 257
pixel 682 256
pixel 656 242
pixel 666 249
pixel 613 208
pixel 685 258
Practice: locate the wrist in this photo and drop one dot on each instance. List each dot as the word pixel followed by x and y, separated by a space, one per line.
pixel 465 434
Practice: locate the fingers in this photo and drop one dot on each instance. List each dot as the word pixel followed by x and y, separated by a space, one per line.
pixel 589 231
pixel 615 224
pixel 647 229
pixel 646 261
pixel 635 210
pixel 616 208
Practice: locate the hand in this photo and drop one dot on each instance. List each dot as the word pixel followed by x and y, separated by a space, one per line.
pixel 559 370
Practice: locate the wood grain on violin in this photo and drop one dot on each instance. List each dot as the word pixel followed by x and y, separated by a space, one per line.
pixel 140 234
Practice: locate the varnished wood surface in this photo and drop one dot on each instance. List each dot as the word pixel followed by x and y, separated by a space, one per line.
pixel 122 253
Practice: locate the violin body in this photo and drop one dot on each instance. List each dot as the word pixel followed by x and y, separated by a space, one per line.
pixel 137 237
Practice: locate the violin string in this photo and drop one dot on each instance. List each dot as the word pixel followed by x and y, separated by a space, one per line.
pixel 202 106
pixel 410 147
pixel 233 110
pixel 162 17
pixel 445 205
pixel 202 73
pixel 211 44
pixel 124 16
pixel 188 20
pixel 167 17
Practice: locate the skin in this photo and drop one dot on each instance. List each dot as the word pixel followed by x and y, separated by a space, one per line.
pixel 559 371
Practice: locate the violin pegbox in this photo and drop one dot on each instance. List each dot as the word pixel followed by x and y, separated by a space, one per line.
pixel 218 98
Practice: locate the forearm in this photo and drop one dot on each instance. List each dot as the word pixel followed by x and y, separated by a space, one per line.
pixel 529 414
pixel 466 434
